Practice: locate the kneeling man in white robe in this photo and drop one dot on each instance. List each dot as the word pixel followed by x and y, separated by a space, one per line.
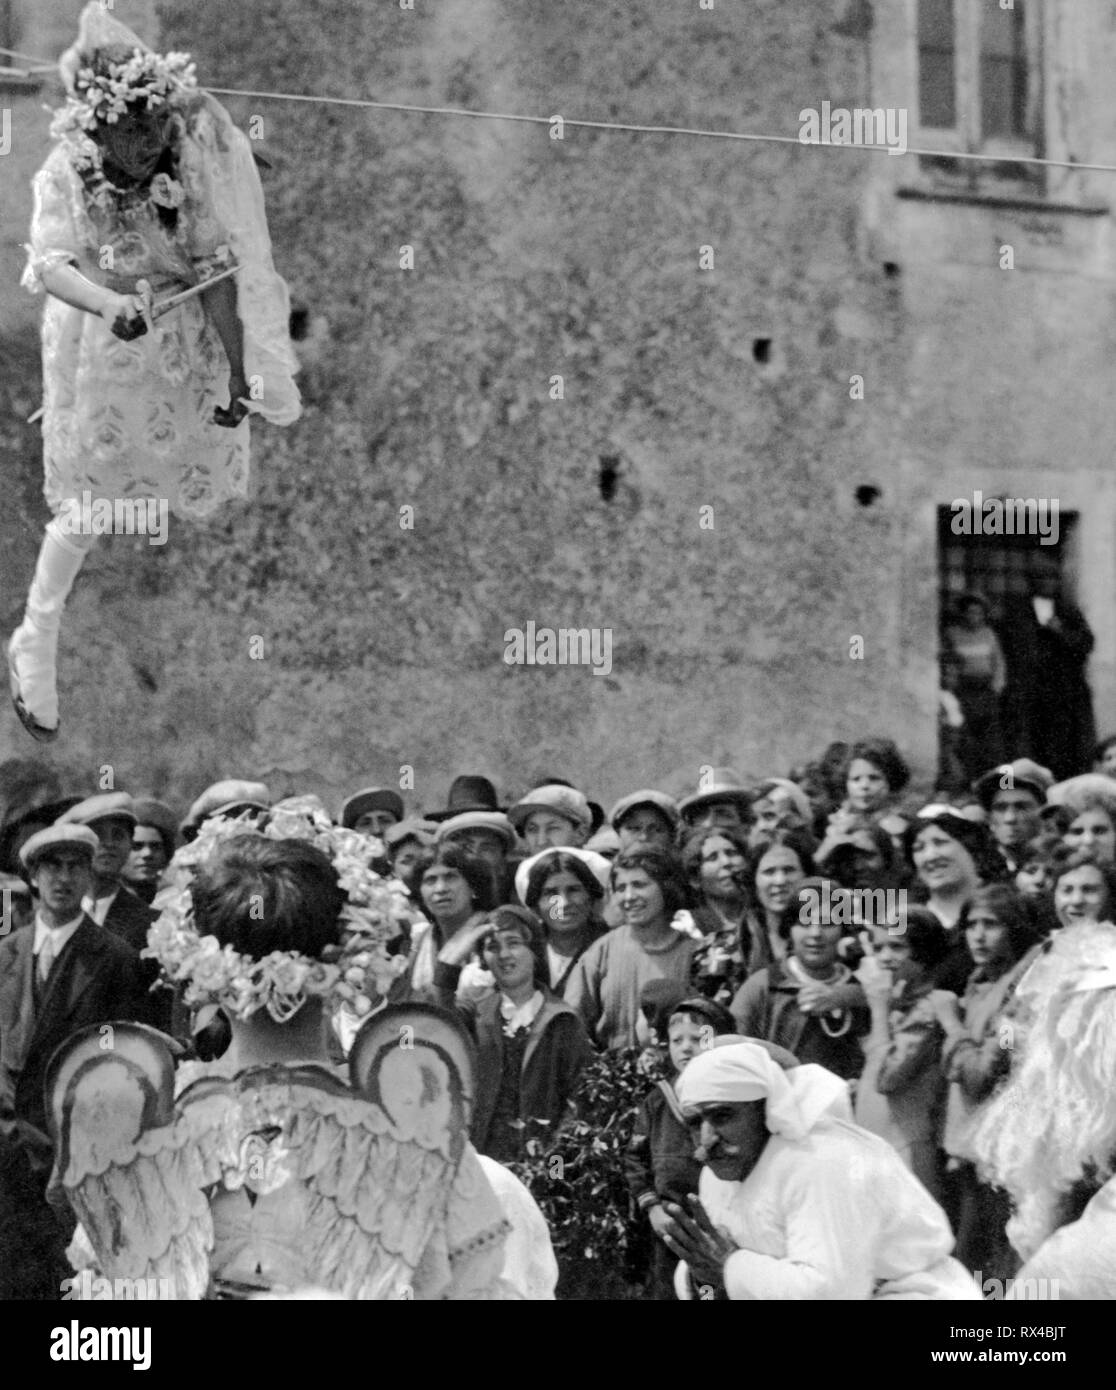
pixel 795 1201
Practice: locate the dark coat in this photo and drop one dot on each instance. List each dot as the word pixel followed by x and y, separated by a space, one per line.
pixel 95 979
pixel 1048 706
pixel 766 1006
pixel 129 918
pixel 557 1048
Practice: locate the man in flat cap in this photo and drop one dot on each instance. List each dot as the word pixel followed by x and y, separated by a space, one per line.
pixel 233 797
pixel 59 974
pixel 112 818
pixel 1014 794
pixel 487 835
pixel 372 811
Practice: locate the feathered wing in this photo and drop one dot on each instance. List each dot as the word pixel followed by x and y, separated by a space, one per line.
pixel 400 1205
pixel 133 1170
pixel 391 1199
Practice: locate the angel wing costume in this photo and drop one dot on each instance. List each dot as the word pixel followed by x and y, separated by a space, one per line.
pixel 281 1179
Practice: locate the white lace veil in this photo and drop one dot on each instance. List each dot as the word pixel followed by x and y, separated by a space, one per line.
pixel 219 159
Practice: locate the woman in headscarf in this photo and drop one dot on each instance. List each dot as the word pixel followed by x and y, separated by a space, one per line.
pixel 797 1202
pixel 565 887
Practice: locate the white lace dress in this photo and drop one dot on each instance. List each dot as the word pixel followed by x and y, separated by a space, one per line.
pixel 135 420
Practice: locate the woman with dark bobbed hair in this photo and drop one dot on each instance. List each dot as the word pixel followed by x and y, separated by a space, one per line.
pixel 456 894
pixel 563 890
pixel 649 888
pixel 531 1045
pixel 261 895
pixel 951 857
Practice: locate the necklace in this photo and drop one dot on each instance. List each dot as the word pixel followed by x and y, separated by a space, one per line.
pixel 842 1018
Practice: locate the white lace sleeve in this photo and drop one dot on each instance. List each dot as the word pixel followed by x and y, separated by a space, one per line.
pixel 55 239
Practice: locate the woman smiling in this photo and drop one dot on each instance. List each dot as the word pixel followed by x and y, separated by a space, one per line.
pixel 809 1002
pixel 952 857
pixel 648 888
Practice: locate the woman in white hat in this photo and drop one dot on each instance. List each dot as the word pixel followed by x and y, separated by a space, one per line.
pixel 565 888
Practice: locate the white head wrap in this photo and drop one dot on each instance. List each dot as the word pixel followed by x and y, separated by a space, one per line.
pixel 743 1071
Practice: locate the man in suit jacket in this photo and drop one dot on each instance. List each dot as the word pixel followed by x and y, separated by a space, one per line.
pixel 112 818
pixel 110 902
pixel 60 973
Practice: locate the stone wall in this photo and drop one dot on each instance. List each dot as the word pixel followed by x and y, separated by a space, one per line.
pixel 724 389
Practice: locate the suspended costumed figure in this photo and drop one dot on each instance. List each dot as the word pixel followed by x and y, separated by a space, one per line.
pixel 149 194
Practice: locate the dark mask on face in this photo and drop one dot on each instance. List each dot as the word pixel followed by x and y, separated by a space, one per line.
pixel 134 144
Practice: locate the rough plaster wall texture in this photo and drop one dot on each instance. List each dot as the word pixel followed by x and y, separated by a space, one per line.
pixel 533 257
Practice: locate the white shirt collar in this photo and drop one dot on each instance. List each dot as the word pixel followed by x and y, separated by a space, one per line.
pixel 518 1016
pixel 98 908
pixel 59 936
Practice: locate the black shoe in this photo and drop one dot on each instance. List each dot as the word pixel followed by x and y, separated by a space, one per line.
pixel 38 731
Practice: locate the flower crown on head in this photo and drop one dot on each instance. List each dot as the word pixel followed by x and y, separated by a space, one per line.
pixel 105 91
pixel 358 973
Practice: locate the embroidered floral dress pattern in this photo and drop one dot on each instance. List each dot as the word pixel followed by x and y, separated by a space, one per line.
pixel 135 419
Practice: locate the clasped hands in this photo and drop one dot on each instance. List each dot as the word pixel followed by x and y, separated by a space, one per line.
pixel 693 1238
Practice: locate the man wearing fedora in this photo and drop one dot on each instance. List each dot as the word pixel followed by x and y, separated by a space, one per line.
pixel 468 792
pixel 721 802
pixel 59 974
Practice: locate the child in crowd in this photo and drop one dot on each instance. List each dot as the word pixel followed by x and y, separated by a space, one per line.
pixel 660 1160
pixel 902 1090
pixel 979 1045
pixel 809 1002
pixel 531 1045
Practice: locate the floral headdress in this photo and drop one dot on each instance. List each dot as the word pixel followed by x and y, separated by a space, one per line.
pixel 149 81
pixel 109 73
pixel 376 914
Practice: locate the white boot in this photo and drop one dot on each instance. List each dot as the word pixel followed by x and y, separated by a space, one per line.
pixel 34 644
